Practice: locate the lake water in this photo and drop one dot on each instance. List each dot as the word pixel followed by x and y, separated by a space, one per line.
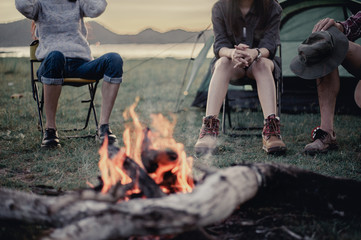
pixel 127 51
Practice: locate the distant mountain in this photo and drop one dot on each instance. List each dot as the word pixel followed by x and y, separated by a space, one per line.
pixel 15 33
pixel 18 34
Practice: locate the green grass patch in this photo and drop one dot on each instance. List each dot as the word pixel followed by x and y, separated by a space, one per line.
pixel 157 82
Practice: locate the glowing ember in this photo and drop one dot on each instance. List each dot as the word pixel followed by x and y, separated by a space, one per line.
pixel 155 151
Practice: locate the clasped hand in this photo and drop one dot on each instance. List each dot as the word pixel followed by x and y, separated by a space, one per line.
pixel 241 56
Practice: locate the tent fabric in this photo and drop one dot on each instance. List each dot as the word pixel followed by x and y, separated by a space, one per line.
pixel 298 95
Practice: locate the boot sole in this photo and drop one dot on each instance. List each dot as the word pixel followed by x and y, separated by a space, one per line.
pixel 200 151
pixel 110 141
pixel 314 152
pixel 275 150
pixel 45 146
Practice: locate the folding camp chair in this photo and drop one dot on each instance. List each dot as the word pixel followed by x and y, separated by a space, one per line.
pixel 76 82
pixel 226 110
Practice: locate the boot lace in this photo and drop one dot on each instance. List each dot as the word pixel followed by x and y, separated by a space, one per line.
pixel 319 134
pixel 272 127
pixel 210 127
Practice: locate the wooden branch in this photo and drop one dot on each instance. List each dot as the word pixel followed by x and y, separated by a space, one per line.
pixel 89 215
pixel 210 202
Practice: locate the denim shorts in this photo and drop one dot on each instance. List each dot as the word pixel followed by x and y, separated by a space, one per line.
pixel 55 67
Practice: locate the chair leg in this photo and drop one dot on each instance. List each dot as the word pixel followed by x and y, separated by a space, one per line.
pixel 226 110
pixel 40 104
pixel 279 95
pixel 91 106
pixel 92 90
pixel 224 116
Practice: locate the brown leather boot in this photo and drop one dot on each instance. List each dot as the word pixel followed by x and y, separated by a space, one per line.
pixel 272 140
pixel 207 139
pixel 322 142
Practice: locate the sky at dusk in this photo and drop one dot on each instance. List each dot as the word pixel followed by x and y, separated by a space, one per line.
pixel 133 16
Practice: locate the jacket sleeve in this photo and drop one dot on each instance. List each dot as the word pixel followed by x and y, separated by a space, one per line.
pixel 92 8
pixel 221 38
pixel 352 27
pixel 271 38
pixel 29 8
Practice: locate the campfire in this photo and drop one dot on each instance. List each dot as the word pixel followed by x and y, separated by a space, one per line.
pixel 150 167
pixel 151 163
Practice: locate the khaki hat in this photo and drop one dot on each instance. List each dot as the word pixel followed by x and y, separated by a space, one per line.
pixel 320 54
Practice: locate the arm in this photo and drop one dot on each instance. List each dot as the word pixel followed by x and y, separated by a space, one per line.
pixel 352 27
pixel 29 8
pixel 92 8
pixel 325 24
pixel 223 46
pixel 271 38
pixel 221 39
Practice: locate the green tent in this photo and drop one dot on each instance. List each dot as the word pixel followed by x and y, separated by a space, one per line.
pixel 298 95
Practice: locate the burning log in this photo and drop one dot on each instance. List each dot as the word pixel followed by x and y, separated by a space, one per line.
pixel 211 201
pixel 152 158
pixel 146 184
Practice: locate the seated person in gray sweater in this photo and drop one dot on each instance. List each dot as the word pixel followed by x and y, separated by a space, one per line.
pixel 65 52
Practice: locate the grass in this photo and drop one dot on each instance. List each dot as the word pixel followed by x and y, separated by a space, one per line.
pixel 24 164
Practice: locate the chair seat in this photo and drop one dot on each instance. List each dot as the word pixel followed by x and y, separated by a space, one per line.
pixel 79 80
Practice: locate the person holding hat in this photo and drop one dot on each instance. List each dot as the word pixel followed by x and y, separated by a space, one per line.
pixel 330 44
pixel 246 38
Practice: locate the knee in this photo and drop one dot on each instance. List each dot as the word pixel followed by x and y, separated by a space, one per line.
pixel 263 64
pixel 114 59
pixel 56 56
pixel 358 94
pixel 223 63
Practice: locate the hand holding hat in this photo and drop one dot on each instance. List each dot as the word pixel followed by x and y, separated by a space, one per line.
pixel 320 54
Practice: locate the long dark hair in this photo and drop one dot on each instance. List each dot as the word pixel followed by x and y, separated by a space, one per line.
pixel 233 13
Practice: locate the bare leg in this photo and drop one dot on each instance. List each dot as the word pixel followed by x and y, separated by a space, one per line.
pixel 358 94
pixel 328 86
pixel 327 89
pixel 51 98
pixel 262 72
pixel 218 86
pixel 109 94
pixel 223 73
pixel 353 64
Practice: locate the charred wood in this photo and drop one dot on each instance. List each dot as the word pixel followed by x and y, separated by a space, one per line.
pixel 89 216
pixel 139 176
pixel 309 190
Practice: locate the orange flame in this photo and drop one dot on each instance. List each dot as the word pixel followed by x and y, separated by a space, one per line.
pixel 172 175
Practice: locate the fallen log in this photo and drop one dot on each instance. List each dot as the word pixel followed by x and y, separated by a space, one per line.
pixel 94 216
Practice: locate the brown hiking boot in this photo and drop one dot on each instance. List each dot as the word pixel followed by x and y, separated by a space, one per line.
pixel 322 142
pixel 272 140
pixel 207 139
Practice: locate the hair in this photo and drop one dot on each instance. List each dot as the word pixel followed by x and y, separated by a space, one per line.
pixel 33 28
pixel 233 13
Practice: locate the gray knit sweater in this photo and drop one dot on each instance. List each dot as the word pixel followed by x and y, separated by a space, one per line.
pixel 60 25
